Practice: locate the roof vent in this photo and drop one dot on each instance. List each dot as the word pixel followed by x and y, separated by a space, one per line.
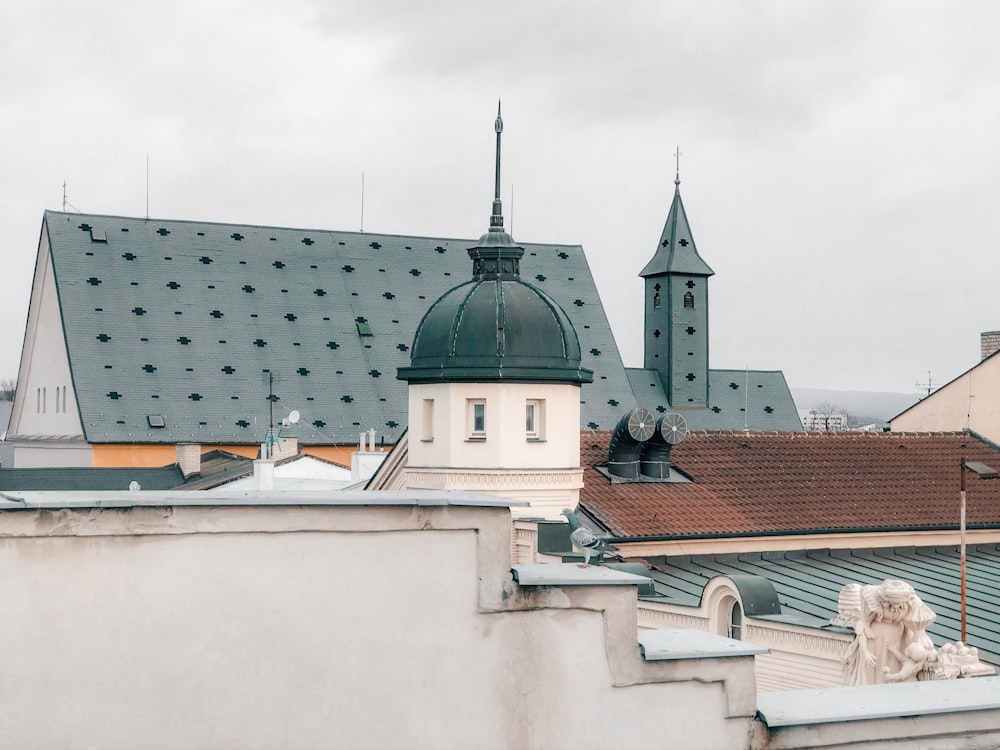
pixel 632 430
pixel 655 459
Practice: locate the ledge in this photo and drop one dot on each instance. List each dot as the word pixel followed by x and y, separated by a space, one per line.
pixel 666 645
pixel 572 575
pixel 786 708
pixel 152 499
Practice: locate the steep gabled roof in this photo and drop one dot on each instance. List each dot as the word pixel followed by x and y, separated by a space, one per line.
pixel 761 483
pixel 760 397
pixel 186 320
pixel 676 251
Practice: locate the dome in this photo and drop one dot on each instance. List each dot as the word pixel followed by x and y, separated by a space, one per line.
pixel 495 327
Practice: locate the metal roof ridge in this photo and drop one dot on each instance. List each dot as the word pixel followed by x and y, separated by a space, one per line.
pixel 142 219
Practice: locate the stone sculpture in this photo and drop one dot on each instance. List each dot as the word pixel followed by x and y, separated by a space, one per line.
pixel 891 642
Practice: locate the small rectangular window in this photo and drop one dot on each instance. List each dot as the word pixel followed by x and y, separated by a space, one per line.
pixel 534 419
pixel 477 419
pixel 427 429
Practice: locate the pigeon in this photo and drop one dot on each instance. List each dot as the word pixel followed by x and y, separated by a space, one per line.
pixel 585 540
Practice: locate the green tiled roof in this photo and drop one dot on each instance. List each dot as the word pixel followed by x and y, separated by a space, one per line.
pixel 808 583
pixel 185 320
pixel 770 403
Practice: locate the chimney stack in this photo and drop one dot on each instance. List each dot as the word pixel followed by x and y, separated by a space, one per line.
pixel 989 343
pixel 189 458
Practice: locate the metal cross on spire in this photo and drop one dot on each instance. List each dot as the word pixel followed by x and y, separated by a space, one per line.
pixel 677 157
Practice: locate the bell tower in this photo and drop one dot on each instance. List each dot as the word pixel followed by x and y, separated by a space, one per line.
pixel 676 311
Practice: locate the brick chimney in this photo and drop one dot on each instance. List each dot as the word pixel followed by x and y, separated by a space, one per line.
pixel 189 458
pixel 989 342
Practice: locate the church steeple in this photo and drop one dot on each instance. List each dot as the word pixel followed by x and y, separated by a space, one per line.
pixel 676 251
pixel 676 310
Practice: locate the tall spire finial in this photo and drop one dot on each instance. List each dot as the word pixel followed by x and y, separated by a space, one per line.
pixel 677 157
pixel 496 220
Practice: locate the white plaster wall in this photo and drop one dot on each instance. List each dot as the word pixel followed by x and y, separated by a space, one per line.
pixel 506 445
pixel 308 638
pixel 972 399
pixel 44 363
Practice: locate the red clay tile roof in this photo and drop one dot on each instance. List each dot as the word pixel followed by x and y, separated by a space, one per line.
pixel 758 483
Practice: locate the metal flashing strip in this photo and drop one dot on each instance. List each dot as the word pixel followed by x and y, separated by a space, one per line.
pixel 573 575
pixel 671 644
pixel 786 708
pixel 381 498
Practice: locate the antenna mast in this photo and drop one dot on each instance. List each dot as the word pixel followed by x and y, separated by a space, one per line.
pixel 147 186
pixel 929 386
pixel 64 196
pixel 362 201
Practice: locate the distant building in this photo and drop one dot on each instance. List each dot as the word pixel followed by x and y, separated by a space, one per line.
pixel 815 420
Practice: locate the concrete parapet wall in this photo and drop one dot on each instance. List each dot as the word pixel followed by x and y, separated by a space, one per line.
pixel 316 626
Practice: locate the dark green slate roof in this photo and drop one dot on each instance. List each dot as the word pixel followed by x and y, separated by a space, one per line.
pixel 89 478
pixel 217 468
pixel 771 406
pixel 185 319
pixel 676 251
pixel 809 582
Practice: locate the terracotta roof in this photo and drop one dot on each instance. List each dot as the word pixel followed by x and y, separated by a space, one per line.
pixel 759 483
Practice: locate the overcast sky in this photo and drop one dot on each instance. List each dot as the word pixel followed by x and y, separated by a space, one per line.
pixel 839 169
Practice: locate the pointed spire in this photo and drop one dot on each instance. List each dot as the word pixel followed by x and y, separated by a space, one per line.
pixel 676 251
pixel 496 254
pixel 496 220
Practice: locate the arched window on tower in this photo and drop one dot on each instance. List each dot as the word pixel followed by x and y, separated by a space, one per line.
pixel 688 301
pixel 656 301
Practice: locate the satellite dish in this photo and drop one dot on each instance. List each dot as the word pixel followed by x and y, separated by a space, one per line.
pixel 293 416
pixel 134 486
pixel 673 428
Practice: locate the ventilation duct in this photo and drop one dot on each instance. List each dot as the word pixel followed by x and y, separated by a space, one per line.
pixel 654 461
pixel 632 430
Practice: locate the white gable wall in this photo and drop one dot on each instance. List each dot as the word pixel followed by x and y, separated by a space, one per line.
pixel 45 404
pixel 971 400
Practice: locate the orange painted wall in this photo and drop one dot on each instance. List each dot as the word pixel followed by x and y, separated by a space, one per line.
pixel 122 455
pixel 125 455
pixel 115 455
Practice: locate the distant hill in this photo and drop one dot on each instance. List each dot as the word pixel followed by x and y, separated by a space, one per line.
pixel 863 405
